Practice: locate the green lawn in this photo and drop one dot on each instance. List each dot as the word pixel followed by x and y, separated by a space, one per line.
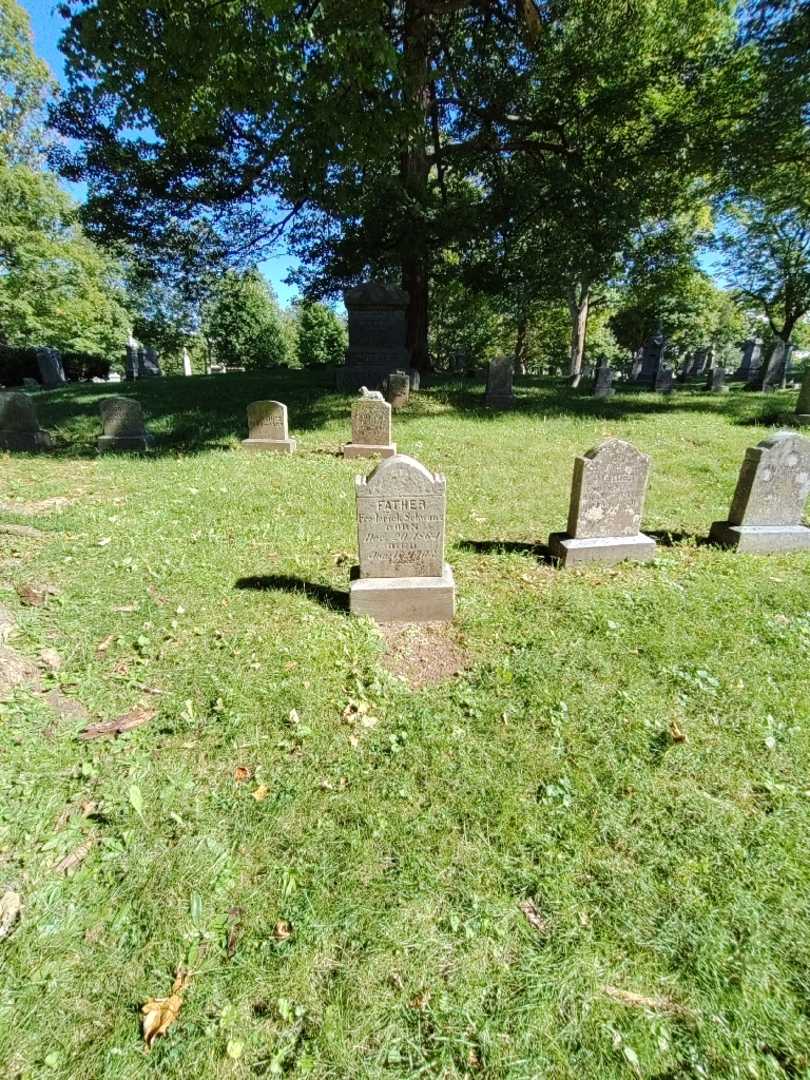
pixel 399 843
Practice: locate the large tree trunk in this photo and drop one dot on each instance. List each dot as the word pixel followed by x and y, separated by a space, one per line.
pixel 578 302
pixel 522 346
pixel 414 176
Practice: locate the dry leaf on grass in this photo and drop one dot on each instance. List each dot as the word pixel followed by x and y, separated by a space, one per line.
pixel 260 794
pixel 51 659
pixel 421 1001
pixel 36 595
pixel 10 907
pixel 282 930
pixel 133 719
pixel 677 734
pixel 124 609
pixel 235 932
pixel 160 1013
pixel 533 917
pixel 639 1001
pixel 103 645
pixel 242 773
pixel 75 857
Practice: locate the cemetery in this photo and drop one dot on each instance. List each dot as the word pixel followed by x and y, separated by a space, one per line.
pixel 405 657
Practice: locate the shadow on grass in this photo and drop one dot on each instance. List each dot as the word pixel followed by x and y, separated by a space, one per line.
pixel 333 599
pixel 671 538
pixel 502 547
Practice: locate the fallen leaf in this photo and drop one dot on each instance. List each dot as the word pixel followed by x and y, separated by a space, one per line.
pixel 241 773
pixel 260 794
pixel 396 980
pixel 75 857
pixel 125 609
pixel 51 659
pixel 533 917
pixel 677 734
pixel 36 595
pixel 160 1013
pixel 421 1000
pixel 10 907
pixel 133 719
pixel 282 930
pixel 104 541
pixel 103 645
pixel 639 1001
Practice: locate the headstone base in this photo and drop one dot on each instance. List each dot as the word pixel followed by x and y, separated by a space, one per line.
pixel 280 446
pixel 355 450
pixel 570 551
pixel 406 599
pixel 123 444
pixel 31 441
pixel 499 402
pixel 761 539
pixel 604 393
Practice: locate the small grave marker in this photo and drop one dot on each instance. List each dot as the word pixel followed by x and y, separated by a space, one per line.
pixel 19 427
pixel 371 428
pixel 267 428
pixel 123 426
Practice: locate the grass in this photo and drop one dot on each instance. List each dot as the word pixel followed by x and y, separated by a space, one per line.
pixel 399 851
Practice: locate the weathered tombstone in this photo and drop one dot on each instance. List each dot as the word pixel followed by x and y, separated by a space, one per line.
pixel 602 384
pixel 19 427
pixel 415 378
pixel 701 358
pixel 377 335
pixel 607 501
pixel 499 383
pixel 150 368
pixel 402 575
pixel 768 503
pixel 750 362
pixel 371 429
pixel 133 367
pixel 778 366
pixel 123 426
pixel 663 380
pixel 186 362
pixel 50 368
pixel 716 381
pixel 397 389
pixel 267 428
pixel 803 404
pixel 652 357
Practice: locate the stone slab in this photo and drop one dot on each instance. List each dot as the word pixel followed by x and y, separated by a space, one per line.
pixel 123 443
pixel 761 539
pixel 405 599
pixel 279 446
pixel 26 441
pixel 358 450
pixel 570 551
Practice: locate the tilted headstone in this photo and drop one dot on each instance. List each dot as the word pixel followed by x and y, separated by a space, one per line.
pixel 607 501
pixel 371 429
pixel 19 427
pixel 267 428
pixel 663 380
pixel 803 404
pixel 602 387
pixel 768 504
pixel 397 389
pixel 402 576
pixel 50 368
pixel 750 362
pixel 415 378
pixel 499 382
pixel 123 426
pixel 377 335
pixel 778 366
pixel 716 381
pixel 186 362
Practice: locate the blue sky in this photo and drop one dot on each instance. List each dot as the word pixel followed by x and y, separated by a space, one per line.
pixel 47 27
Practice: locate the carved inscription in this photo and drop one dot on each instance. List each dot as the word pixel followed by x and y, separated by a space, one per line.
pixel 267 420
pixel 371 422
pixel 607 496
pixel 774 482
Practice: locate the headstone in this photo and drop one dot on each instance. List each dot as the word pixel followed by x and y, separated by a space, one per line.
pixel 398 389
pixel 415 378
pixel 701 358
pixel 132 368
pixel 50 368
pixel 768 504
pixel 602 385
pixel 186 362
pixel 607 501
pixel 663 380
pixel 402 576
pixel 371 429
pixel 750 362
pixel 19 427
pixel 377 335
pixel 652 357
pixel 499 383
pixel 778 366
pixel 803 404
pixel 123 426
pixel 716 381
pixel 149 366
pixel 267 428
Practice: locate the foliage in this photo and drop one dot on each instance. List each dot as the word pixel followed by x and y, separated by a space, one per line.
pixel 241 322
pixel 25 83
pixel 17 364
pixel 320 335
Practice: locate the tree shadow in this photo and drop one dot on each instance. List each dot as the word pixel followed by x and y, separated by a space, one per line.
pixel 502 547
pixel 332 599
pixel 672 538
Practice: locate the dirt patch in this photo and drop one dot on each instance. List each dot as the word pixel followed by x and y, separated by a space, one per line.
pixel 16 671
pixel 40 506
pixel 422 654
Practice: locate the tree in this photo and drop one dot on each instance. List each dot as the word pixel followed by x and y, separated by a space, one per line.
pixel 321 337
pixel 25 83
pixel 242 323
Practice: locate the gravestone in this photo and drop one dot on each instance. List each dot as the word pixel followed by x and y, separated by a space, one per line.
pixel 132 368
pixel 602 387
pixel 398 389
pixel 123 426
pixel 415 378
pixel 716 381
pixel 776 370
pixel 50 368
pixel 652 357
pixel 19 427
pixel 768 503
pixel 402 576
pixel 803 404
pixel 267 428
pixel 377 335
pixel 499 383
pixel 607 501
pixel 458 362
pixel 149 366
pixel 186 362
pixel 663 380
pixel 750 362
pixel 371 429
pixel 701 358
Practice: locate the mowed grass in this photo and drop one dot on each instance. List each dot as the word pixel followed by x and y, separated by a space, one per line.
pixel 399 851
